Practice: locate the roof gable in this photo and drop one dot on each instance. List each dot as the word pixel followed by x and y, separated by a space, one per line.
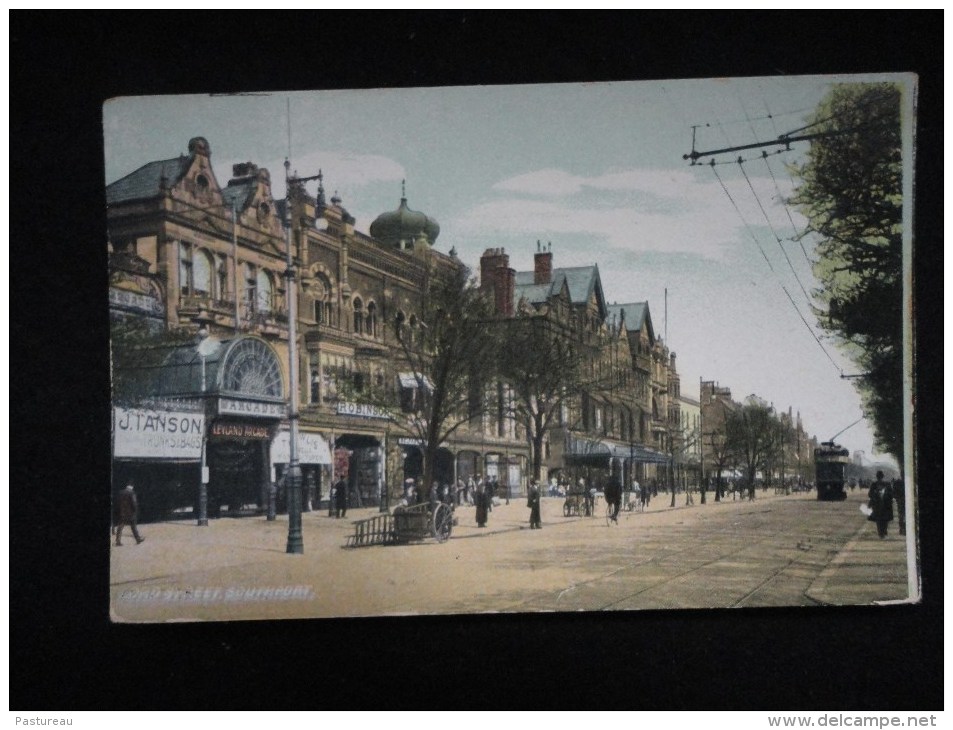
pixel 147 181
pixel 636 316
pixel 582 284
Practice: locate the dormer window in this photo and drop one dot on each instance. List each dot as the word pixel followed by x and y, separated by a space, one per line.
pixel 263 212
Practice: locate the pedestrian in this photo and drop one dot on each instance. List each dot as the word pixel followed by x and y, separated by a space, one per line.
pixel 613 493
pixel 880 502
pixel 532 501
pixel 128 514
pixel 900 495
pixel 480 499
pixel 332 499
pixel 340 498
pixel 583 489
pixel 470 491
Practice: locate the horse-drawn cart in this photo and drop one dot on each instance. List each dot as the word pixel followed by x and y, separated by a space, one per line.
pixel 410 523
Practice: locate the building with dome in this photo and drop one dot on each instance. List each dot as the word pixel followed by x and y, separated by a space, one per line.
pixel 201 268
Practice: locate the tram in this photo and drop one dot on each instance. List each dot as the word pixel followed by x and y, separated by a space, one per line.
pixel 830 468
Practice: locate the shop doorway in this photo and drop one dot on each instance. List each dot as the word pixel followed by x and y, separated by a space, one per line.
pixel 236 475
pixel 365 469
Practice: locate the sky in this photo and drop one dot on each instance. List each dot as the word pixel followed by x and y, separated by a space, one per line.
pixel 597 171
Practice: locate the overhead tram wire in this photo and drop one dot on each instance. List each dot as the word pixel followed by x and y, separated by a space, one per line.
pixel 777 188
pixel 811 330
pixel 771 266
pixel 774 232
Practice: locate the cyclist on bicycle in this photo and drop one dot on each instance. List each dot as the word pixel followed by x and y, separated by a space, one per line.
pixel 613 493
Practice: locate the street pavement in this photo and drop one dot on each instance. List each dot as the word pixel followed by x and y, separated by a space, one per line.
pixel 778 550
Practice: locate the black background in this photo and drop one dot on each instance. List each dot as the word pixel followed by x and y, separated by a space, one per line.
pixel 64 653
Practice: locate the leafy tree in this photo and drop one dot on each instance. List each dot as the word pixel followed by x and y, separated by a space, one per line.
pixel 851 194
pixel 548 370
pixel 751 433
pixel 452 356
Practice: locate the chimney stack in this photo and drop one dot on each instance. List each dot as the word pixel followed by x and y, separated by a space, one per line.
pixel 497 277
pixel 543 260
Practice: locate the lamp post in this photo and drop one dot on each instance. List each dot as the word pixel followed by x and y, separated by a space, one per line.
pixel 205 347
pixel 293 477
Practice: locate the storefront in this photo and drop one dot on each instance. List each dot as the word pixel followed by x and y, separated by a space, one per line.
pixel 598 460
pixel 314 456
pixel 359 461
pixel 201 414
pixel 159 451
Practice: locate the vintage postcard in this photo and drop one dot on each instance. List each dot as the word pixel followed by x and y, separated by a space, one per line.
pixel 549 348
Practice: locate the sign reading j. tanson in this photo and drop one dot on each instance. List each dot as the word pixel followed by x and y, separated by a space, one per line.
pixel 157 434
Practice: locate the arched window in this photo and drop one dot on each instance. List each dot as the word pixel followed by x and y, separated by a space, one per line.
pixel 371 328
pixel 202 274
pixel 266 292
pixel 322 299
pixel 358 316
pixel 399 325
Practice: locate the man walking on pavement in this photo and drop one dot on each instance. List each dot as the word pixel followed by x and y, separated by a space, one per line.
pixel 128 514
pixel 880 502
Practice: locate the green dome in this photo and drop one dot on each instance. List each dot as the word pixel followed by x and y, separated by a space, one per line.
pixel 404 225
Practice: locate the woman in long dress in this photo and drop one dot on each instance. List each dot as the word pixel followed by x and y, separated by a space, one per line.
pixel 481 498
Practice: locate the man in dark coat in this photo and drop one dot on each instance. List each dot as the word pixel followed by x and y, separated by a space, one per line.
pixel 128 514
pixel 613 492
pixel 880 501
pixel 532 501
pixel 340 498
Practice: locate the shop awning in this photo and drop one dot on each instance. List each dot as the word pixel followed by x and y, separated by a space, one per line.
pixel 409 380
pixel 593 452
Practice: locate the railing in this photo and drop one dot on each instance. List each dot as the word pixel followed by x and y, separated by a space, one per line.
pixel 377 530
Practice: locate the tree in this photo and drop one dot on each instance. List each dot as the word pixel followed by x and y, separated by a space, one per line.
pixel 751 433
pixel 451 356
pixel 548 370
pixel 851 194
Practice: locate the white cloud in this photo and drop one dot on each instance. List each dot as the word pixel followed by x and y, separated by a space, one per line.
pixel 647 209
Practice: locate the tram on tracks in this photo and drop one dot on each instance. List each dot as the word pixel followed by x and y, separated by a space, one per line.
pixel 830 468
